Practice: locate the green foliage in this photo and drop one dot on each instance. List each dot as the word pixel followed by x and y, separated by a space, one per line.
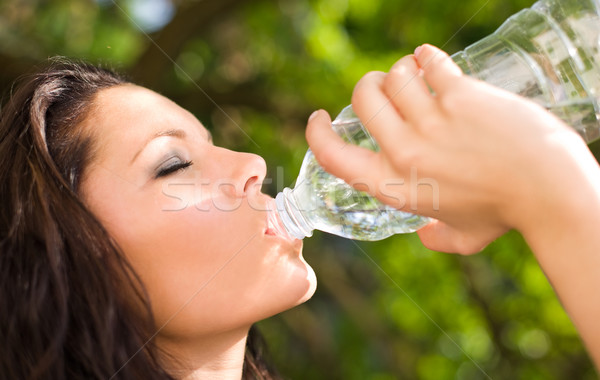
pixel 252 71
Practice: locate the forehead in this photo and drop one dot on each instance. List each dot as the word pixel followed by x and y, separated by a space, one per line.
pixel 124 116
pixel 132 104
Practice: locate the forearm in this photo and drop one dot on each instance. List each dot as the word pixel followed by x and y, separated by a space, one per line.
pixel 565 239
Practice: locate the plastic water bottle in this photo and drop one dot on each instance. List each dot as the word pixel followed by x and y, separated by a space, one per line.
pixel 324 202
pixel 549 53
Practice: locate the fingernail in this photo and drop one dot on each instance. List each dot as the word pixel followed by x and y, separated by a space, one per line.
pixel 312 116
pixel 418 50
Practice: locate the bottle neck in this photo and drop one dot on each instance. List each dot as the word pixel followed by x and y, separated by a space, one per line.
pixel 291 215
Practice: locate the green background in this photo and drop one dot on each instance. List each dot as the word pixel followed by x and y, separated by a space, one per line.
pixel 253 71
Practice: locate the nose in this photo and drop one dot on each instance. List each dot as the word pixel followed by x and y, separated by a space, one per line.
pixel 244 173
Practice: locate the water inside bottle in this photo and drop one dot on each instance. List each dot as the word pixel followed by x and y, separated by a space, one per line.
pixel 336 207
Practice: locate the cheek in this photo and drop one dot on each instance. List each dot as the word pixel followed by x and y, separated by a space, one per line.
pixel 194 255
pixel 177 250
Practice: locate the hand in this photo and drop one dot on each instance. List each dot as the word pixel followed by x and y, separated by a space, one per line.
pixel 476 158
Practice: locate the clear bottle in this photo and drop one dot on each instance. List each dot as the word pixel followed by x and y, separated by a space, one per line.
pixel 549 53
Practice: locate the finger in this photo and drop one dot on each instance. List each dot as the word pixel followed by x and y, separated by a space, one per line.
pixel 407 90
pixel 375 110
pixel 439 236
pixel 343 160
pixel 438 68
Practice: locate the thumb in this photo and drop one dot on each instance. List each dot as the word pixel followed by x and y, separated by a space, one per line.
pixel 338 157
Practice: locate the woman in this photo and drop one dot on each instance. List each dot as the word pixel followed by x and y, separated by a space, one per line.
pixel 131 246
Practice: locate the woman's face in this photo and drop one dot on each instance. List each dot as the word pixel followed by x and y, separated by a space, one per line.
pixel 189 216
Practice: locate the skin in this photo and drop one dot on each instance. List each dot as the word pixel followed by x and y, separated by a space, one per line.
pixel 196 233
pixel 497 161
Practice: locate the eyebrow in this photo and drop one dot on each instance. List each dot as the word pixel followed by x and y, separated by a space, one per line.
pixel 179 133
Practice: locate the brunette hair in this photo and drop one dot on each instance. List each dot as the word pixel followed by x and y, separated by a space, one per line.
pixel 64 314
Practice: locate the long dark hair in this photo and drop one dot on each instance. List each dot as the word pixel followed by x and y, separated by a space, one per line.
pixel 64 314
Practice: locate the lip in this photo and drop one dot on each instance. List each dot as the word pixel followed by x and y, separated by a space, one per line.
pixel 274 224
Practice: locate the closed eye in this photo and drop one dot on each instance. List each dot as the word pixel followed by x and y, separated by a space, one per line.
pixel 170 168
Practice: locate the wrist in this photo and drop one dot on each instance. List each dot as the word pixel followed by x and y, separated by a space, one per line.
pixel 561 187
pixel 566 208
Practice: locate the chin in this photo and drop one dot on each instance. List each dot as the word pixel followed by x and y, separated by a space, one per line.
pixel 311 282
pixel 302 290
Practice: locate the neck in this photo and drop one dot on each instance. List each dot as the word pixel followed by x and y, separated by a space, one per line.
pixel 208 357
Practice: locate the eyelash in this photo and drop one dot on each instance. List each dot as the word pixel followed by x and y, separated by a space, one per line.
pixel 173 168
